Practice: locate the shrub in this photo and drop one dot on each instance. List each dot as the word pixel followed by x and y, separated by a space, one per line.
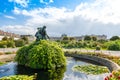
pixel 25 39
pixel 98 48
pixel 41 55
pixel 3 44
pixel 22 54
pixel 19 43
pixel 5 38
pixel 102 41
pixel 18 77
pixel 94 38
pixel 8 52
pixel 114 38
pixel 87 38
pixel 10 44
pixel 114 46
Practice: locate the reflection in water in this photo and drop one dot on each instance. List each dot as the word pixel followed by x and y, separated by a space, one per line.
pixel 55 74
pixel 58 74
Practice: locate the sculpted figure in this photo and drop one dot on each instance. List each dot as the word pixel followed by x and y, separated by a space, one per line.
pixel 41 33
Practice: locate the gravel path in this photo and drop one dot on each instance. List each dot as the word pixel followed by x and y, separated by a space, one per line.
pixel 113 53
pixel 7 58
pixel 8 49
pixel 10 57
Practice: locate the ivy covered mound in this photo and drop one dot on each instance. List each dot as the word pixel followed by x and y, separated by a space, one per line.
pixel 41 55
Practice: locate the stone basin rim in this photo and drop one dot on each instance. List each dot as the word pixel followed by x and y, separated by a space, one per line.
pixel 112 66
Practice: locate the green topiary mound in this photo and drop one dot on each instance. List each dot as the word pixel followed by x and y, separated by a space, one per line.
pixel 41 55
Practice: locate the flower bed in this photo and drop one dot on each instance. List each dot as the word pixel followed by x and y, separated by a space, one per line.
pixel 115 75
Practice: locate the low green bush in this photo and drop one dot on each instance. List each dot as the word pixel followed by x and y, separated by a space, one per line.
pixel 10 43
pixel 98 48
pixel 19 43
pixel 3 44
pixel 41 55
pixel 18 77
pixel 8 52
pixel 114 46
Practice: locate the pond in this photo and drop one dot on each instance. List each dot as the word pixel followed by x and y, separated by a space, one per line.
pixel 59 74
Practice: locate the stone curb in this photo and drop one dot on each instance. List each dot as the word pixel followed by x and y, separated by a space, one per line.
pixel 112 66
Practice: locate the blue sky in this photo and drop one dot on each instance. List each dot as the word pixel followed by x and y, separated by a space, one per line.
pixel 72 17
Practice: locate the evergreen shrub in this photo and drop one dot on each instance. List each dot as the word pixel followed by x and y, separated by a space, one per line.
pixel 41 55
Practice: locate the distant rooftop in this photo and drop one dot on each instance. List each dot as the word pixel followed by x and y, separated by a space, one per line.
pixel 3 33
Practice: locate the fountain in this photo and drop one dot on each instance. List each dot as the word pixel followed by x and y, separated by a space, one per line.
pixel 45 59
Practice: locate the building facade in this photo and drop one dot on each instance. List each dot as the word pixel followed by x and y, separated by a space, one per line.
pixel 8 34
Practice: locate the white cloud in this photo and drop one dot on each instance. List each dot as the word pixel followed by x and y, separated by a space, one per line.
pixel 10 17
pixel 23 3
pixel 46 2
pixel 97 17
pixel 106 11
pixel 18 29
pixel 16 10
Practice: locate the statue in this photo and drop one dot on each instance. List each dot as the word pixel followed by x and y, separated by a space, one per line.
pixel 41 33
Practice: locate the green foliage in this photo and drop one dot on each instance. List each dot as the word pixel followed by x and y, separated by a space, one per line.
pixel 3 44
pixel 102 41
pixel 114 46
pixel 55 74
pixel 91 44
pixel 87 38
pixel 91 69
pixel 115 59
pixel 114 38
pixel 94 38
pixel 22 55
pixel 19 43
pixel 18 77
pixel 1 63
pixel 65 38
pixel 41 55
pixel 10 43
pixel 8 52
pixel 5 38
pixel 11 38
pixel 72 38
pixel 98 48
pixel 25 39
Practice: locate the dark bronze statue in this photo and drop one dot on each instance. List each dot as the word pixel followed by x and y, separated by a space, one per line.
pixel 41 34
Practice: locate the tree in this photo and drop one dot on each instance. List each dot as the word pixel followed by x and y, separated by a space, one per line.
pixel 19 42
pixel 113 38
pixel 11 38
pixel 114 46
pixel 72 38
pixel 87 38
pixel 65 38
pixel 25 39
pixel 5 38
pixel 94 38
